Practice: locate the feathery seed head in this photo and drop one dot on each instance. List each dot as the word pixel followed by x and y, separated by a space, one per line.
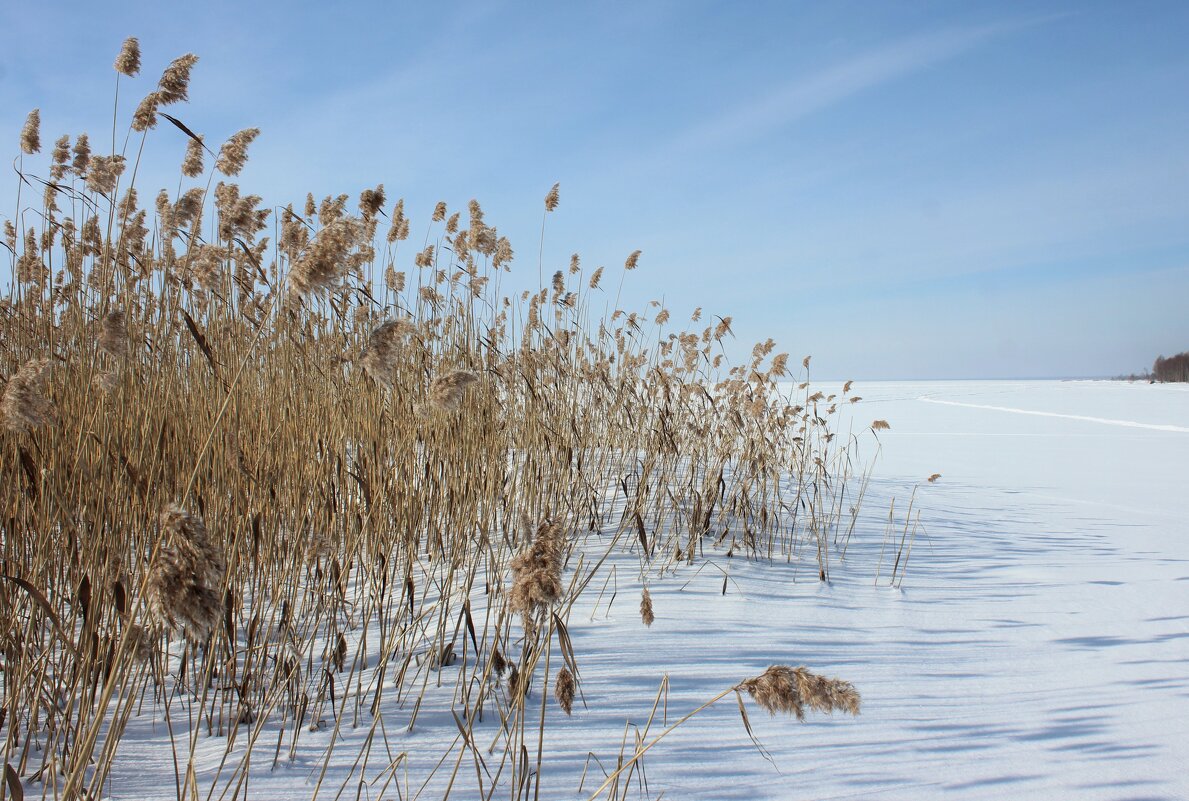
pixel 192 163
pixel 82 155
pixel 174 85
pixel 552 198
pixel 646 613
pixel 563 690
pixel 128 61
pixel 31 133
pixel 234 153
pixel 791 690
pixel 25 405
pixel 383 349
pixel 185 575
pixel 113 335
pixel 446 391
pixel 145 116
pixel 536 572
pixel 371 201
pixel 104 173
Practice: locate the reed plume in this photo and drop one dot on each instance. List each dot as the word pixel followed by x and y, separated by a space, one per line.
pixel 104 172
pixel 234 153
pixel 446 391
pixel 25 405
pixel 880 425
pixel 536 572
pixel 128 61
pixel 791 690
pixel 174 86
pixel 145 116
pixel 646 608
pixel 383 348
pixel 192 163
pixel 551 199
pixel 371 201
pixel 563 690
pixel 632 260
pixel 185 575
pixel 31 133
pixel 82 155
pixel 113 334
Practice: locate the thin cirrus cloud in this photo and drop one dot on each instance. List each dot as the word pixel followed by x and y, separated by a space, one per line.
pixel 806 95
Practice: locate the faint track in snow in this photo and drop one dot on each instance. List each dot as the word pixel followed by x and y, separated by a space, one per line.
pixel 1103 420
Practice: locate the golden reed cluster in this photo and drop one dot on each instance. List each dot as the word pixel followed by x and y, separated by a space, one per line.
pixel 202 347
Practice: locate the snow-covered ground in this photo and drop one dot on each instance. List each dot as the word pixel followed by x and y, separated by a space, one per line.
pixel 1038 646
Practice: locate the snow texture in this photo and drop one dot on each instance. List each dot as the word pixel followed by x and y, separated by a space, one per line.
pixel 1036 647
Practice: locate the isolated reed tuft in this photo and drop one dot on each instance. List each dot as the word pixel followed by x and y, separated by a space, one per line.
pixel 880 425
pixel 646 608
pixel 551 199
pixel 791 690
pixel 25 405
pixel 446 391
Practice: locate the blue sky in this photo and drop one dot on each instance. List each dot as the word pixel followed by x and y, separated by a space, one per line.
pixel 902 190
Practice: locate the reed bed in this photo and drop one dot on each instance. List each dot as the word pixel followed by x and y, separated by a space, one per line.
pixel 268 471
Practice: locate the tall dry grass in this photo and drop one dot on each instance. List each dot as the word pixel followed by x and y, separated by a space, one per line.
pixel 267 472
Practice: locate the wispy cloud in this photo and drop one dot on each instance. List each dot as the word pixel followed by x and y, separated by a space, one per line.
pixel 805 95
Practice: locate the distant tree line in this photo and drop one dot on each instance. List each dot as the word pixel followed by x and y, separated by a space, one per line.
pixel 1174 368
